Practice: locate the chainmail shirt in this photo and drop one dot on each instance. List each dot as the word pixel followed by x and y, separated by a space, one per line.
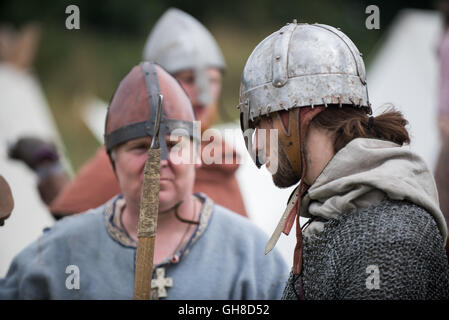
pixel 398 238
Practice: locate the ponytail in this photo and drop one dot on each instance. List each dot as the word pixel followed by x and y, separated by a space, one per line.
pixel 348 123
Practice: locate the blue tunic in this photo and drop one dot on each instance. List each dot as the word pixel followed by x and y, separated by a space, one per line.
pixel 88 256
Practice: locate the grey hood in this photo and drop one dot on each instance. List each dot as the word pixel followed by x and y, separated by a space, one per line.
pixel 365 171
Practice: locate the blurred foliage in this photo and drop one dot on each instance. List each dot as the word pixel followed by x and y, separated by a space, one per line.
pixel 72 64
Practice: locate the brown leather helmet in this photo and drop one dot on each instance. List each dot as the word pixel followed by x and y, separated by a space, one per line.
pixel 132 111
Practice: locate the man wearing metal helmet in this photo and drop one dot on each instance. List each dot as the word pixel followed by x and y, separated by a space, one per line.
pixel 202 251
pixel 187 50
pixel 375 230
pixel 6 200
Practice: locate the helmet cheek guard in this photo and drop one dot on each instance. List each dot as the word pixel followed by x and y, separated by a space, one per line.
pixel 249 131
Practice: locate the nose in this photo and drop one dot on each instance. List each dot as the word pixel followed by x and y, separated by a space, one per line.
pixel 164 163
pixel 192 93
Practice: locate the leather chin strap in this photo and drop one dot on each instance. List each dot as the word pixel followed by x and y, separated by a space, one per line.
pixel 289 142
pixel 300 120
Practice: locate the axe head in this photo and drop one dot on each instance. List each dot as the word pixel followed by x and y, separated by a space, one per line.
pixel 6 200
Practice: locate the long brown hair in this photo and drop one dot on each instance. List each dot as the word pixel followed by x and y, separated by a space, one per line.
pixel 347 123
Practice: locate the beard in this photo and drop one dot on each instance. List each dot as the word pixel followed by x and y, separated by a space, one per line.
pixel 285 175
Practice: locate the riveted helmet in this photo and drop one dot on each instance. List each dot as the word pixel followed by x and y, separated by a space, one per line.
pixel 301 65
pixel 179 42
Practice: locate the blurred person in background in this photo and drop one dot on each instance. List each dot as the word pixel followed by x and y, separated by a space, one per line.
pixel 17 50
pixel 187 50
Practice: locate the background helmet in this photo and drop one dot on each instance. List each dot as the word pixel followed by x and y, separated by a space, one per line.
pixel 179 42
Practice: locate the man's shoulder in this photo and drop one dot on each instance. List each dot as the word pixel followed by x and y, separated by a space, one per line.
pixel 58 239
pixel 397 238
pixel 386 227
pixel 233 221
pixel 236 230
pixel 228 229
pixel 390 217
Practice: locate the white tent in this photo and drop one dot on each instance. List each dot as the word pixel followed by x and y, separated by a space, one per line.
pixel 23 111
pixel 404 73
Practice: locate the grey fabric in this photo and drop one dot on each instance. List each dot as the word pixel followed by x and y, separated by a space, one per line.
pixel 365 171
pixel 223 260
pixel 400 238
pixel 362 174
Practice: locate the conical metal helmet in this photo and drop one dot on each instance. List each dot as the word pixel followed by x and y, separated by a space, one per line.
pixel 180 42
pixel 302 65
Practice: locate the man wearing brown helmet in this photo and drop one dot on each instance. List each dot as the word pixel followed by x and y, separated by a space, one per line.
pixel 202 251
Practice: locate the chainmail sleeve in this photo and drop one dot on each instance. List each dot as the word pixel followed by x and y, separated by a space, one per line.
pixel 400 258
pixel 391 251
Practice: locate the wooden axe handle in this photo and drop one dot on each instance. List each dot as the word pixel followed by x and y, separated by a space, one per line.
pixel 146 231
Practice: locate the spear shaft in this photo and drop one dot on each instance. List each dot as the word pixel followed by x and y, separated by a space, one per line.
pixel 149 208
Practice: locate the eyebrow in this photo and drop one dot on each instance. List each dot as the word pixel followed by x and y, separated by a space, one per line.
pixel 145 140
pixel 138 141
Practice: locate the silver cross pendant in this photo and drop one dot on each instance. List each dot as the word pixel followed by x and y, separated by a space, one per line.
pixel 160 283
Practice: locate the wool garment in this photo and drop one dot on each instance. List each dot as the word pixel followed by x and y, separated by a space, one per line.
pixel 398 238
pixel 223 259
